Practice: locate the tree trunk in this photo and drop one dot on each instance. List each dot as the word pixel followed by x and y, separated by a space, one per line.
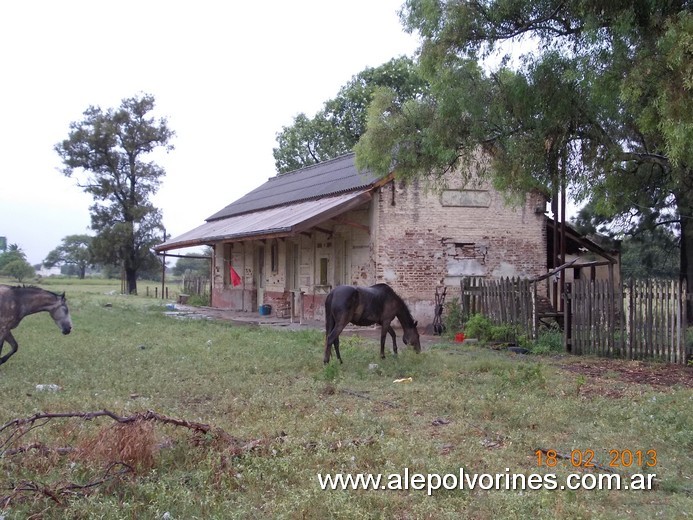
pixel 685 207
pixel 131 280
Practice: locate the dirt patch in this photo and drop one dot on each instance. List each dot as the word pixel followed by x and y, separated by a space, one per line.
pixel 640 372
pixel 254 319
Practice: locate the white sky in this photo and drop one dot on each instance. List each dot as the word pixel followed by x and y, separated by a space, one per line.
pixel 227 75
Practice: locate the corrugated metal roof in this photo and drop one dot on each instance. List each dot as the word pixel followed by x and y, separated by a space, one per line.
pixel 320 180
pixel 273 222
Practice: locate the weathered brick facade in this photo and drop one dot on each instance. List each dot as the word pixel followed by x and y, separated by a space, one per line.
pixel 299 235
pixel 423 239
pixel 408 237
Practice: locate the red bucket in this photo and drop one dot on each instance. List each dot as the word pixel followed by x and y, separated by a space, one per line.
pixel 459 337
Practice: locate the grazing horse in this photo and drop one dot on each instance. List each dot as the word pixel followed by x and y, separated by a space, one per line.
pixel 365 306
pixel 17 302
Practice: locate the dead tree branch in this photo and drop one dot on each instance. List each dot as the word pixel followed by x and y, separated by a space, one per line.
pixel 28 487
pixel 21 426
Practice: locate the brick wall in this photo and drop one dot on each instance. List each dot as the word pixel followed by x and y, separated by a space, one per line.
pixel 429 238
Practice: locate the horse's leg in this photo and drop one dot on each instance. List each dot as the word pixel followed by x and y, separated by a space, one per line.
pixel 13 343
pixel 334 329
pixel 333 339
pixel 336 349
pixel 384 329
pixel 329 325
pixel 391 331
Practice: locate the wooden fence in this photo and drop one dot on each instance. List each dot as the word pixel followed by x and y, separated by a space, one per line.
pixel 504 300
pixel 643 319
pixel 195 285
pixel 634 320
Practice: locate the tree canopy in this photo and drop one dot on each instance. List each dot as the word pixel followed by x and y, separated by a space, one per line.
pixel 600 99
pixel 75 250
pixel 108 152
pixel 193 264
pixel 13 263
pixel 337 127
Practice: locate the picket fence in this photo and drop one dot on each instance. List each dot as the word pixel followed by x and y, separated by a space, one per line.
pixel 195 285
pixel 638 319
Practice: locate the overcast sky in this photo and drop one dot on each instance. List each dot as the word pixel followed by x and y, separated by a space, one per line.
pixel 226 75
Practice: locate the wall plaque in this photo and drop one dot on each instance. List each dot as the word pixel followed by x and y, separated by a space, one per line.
pixel 466 198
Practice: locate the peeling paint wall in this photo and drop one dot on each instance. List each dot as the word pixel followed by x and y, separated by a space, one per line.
pixel 310 263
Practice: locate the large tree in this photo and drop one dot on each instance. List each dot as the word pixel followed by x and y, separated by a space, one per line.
pixel 75 250
pixel 337 127
pixel 108 152
pixel 602 100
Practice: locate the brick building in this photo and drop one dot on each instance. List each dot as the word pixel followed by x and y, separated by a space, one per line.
pixel 300 234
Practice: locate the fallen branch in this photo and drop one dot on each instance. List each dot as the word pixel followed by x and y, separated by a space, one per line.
pixel 30 487
pixel 132 445
pixel 21 426
pixel 41 448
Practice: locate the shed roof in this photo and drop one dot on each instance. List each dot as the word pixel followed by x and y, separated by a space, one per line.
pixel 327 178
pixel 273 222
pixel 285 204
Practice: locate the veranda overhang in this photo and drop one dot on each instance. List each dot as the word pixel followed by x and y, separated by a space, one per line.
pixel 268 223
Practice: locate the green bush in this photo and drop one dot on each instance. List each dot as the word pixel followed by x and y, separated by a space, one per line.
pixel 478 326
pixel 481 327
pixel 548 341
pixel 199 300
pixel 453 320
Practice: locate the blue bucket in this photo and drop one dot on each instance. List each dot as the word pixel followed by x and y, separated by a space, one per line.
pixel 265 310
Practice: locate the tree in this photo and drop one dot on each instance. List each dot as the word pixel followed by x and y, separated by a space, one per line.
pixel 645 253
pixel 107 151
pixel 337 127
pixel 75 250
pixel 13 263
pixel 602 101
pixel 193 265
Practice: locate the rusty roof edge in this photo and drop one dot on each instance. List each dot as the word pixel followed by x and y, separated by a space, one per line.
pixel 359 199
pixel 209 240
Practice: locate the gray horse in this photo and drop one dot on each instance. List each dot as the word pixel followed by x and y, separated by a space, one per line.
pixel 17 302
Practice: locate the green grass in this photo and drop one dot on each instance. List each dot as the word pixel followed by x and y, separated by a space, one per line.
pixel 269 389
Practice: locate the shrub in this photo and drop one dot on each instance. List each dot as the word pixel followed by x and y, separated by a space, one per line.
pixel 452 317
pixel 548 341
pixel 478 326
pixel 199 300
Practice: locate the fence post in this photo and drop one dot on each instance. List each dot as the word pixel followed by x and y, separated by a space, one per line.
pixel 568 323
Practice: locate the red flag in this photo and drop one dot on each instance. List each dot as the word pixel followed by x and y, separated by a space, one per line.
pixel 235 279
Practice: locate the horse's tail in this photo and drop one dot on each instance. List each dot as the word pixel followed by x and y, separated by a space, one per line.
pixel 329 317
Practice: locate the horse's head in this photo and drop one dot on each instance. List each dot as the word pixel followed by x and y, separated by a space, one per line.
pixel 61 314
pixel 410 336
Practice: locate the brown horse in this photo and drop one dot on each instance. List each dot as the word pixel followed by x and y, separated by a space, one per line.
pixel 17 302
pixel 366 306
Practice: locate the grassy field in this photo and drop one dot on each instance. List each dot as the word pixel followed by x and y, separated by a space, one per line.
pixel 278 418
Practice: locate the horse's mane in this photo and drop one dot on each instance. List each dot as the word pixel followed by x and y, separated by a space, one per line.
pixel 35 288
pixel 406 319
pixel 406 314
